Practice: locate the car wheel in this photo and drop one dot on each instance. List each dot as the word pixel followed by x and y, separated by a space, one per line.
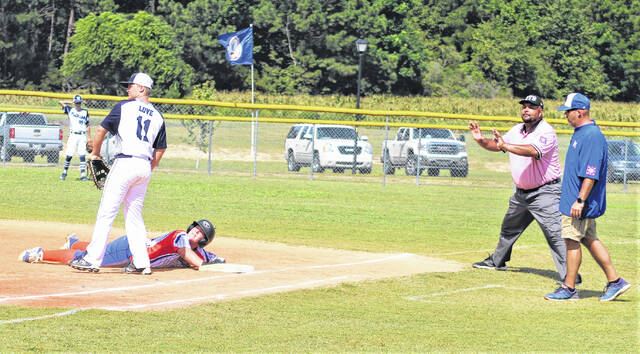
pixel 433 172
pixel 53 157
pixel 315 164
pixel 28 157
pixel 292 165
pixel 412 165
pixel 388 167
pixel 462 172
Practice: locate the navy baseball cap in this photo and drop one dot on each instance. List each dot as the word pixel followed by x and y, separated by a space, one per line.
pixel 77 99
pixel 141 79
pixel 533 99
pixel 575 101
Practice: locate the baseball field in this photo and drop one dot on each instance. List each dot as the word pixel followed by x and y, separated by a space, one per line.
pixel 340 266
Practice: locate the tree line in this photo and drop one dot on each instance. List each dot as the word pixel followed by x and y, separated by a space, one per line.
pixel 466 48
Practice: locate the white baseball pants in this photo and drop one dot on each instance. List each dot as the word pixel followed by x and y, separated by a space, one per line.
pixel 127 182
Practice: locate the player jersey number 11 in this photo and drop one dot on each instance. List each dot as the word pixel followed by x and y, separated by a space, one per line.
pixel 146 124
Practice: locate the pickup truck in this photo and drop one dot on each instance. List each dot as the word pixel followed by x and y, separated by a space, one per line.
pixel 327 146
pixel 437 149
pixel 28 135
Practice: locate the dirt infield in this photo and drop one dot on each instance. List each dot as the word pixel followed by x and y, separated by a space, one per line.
pixel 278 268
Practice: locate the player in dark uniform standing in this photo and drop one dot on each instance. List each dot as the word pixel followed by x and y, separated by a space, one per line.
pixel 79 130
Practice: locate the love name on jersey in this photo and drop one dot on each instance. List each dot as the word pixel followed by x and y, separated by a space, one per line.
pixel 146 110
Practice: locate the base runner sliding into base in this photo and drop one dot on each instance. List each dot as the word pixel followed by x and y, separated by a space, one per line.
pixel 175 249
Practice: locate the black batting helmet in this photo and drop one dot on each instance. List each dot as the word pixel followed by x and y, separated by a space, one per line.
pixel 208 230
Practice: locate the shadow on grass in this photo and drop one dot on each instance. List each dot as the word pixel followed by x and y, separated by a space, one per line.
pixel 541 272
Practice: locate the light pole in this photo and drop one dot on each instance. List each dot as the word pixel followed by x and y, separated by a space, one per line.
pixel 361 47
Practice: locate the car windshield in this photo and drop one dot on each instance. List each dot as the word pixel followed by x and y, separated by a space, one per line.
pixel 435 133
pixel 618 148
pixel 25 119
pixel 336 133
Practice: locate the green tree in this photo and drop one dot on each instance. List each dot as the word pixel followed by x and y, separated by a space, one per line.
pixel 108 48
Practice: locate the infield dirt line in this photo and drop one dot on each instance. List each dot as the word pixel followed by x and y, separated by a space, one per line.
pixel 175 282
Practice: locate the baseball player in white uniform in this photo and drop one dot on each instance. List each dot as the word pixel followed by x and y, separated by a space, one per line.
pixel 79 129
pixel 139 130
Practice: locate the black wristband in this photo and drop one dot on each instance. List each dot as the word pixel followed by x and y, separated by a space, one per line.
pixel 580 201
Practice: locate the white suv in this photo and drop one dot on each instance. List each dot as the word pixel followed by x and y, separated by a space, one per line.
pixel 327 146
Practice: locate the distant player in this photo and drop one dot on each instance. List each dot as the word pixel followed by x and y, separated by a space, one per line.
pixel 175 249
pixel 139 129
pixel 79 129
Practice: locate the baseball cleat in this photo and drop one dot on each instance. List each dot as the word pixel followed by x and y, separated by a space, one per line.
pixel 131 269
pixel 33 255
pixel 69 241
pixel 81 264
pixel 63 177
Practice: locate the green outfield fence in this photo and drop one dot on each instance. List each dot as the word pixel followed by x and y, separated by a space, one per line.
pixel 249 140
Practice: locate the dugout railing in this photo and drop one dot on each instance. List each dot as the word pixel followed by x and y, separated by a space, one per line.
pixel 252 139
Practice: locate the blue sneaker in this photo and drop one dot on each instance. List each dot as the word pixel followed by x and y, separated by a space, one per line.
pixel 562 293
pixel 612 291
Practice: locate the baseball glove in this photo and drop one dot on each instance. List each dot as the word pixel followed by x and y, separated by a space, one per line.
pixel 99 171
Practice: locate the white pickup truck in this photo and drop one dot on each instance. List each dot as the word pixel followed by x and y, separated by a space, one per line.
pixel 28 135
pixel 327 146
pixel 431 149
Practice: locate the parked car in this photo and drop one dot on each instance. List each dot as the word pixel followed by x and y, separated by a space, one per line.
pixel 27 135
pixel 327 146
pixel 624 159
pixel 431 149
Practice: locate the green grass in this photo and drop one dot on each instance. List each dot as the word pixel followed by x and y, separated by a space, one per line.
pixel 452 222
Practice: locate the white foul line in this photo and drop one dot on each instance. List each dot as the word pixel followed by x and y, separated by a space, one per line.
pixel 421 298
pixel 223 296
pixel 60 314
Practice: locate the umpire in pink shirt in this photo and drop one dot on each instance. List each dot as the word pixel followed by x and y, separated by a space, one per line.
pixel 535 167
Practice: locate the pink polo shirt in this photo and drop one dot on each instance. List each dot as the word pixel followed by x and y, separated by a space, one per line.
pixel 531 172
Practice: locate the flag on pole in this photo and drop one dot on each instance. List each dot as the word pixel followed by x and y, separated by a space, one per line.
pixel 238 46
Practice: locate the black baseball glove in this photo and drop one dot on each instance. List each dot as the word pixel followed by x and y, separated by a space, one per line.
pixel 99 171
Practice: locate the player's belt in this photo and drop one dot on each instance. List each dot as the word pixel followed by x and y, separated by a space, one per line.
pixel 79 133
pixel 125 156
pixel 557 180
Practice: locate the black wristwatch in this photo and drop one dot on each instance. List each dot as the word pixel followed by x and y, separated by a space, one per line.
pixel 580 201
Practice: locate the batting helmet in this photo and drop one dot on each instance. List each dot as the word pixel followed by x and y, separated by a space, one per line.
pixel 208 230
pixel 77 99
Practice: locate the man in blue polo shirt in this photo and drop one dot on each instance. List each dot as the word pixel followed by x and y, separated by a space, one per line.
pixel 583 199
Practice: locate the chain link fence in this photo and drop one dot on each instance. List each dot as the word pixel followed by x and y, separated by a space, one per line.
pixel 315 143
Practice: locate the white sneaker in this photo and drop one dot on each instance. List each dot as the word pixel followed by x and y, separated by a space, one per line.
pixel 33 255
pixel 69 241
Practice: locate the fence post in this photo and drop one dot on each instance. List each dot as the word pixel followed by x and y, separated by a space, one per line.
pixel 419 130
pixel 384 151
pixel 313 150
pixel 626 162
pixel 210 146
pixel 255 144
